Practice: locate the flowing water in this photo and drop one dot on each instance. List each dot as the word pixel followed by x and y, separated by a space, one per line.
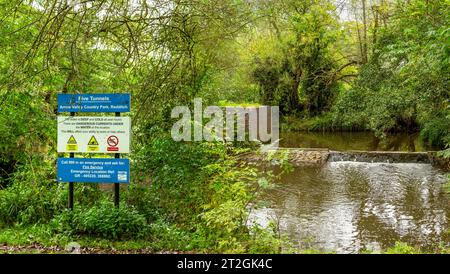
pixel 348 207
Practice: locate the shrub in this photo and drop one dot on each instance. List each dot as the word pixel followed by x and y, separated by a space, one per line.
pixel 28 204
pixel 179 185
pixel 33 196
pixel 169 236
pixel 144 200
pixel 103 220
pixel 436 132
pixel 26 128
pixel 402 248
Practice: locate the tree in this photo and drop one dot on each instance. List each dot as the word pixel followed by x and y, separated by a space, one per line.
pixel 307 75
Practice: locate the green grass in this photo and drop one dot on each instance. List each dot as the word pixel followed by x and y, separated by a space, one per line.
pixel 40 239
pixel 404 248
pixel 28 238
pixel 447 186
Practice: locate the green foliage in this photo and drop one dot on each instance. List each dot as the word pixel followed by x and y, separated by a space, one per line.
pixel 185 206
pixel 447 186
pixel 145 201
pixel 223 221
pixel 102 220
pixel 323 122
pixel 178 182
pixel 26 129
pixel 402 248
pixel 282 159
pixel 225 103
pixel 32 195
pixel 302 75
pixel 21 235
pixel 436 132
pixel 203 190
pixel 167 236
pixel 267 241
pixel 382 112
pixel 404 86
pixel 28 204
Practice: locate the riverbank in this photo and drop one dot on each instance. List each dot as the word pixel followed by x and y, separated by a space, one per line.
pixel 292 123
pixel 416 139
pixel 24 244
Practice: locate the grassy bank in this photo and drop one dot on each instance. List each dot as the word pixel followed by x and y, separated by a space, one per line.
pixel 40 239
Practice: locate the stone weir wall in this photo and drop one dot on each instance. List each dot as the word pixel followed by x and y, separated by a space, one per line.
pixel 318 156
pixel 296 156
pixel 380 156
pixel 306 156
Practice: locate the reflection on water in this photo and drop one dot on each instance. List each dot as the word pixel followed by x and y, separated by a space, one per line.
pixel 352 141
pixel 352 206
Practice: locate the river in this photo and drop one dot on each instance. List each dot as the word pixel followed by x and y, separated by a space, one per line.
pixel 350 207
pixel 353 141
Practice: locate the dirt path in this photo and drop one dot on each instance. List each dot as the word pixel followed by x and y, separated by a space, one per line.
pixel 39 249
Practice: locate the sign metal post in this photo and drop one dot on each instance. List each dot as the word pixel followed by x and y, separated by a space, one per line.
pixel 117 185
pixel 71 186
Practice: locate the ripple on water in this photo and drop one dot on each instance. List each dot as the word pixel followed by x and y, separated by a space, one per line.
pixel 350 206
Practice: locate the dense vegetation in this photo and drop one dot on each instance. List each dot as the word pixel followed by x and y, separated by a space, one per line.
pixel 378 65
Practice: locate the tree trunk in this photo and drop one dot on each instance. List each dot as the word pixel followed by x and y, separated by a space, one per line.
pixel 364 45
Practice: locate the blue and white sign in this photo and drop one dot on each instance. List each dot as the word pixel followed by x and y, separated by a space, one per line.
pixel 94 102
pixel 94 170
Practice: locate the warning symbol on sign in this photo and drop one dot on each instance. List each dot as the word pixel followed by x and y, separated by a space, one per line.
pixel 112 141
pixel 93 144
pixel 93 141
pixel 72 144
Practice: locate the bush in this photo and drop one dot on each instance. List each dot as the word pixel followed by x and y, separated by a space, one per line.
pixel 436 132
pixel 144 200
pixel 323 123
pixel 349 109
pixel 26 128
pixel 165 236
pixel 386 110
pixel 200 196
pixel 29 204
pixel 34 196
pixel 402 248
pixel 179 185
pixel 103 220
pixel 405 81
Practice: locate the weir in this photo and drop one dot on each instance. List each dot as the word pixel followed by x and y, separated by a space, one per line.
pixel 380 156
pixel 357 200
pixel 317 156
